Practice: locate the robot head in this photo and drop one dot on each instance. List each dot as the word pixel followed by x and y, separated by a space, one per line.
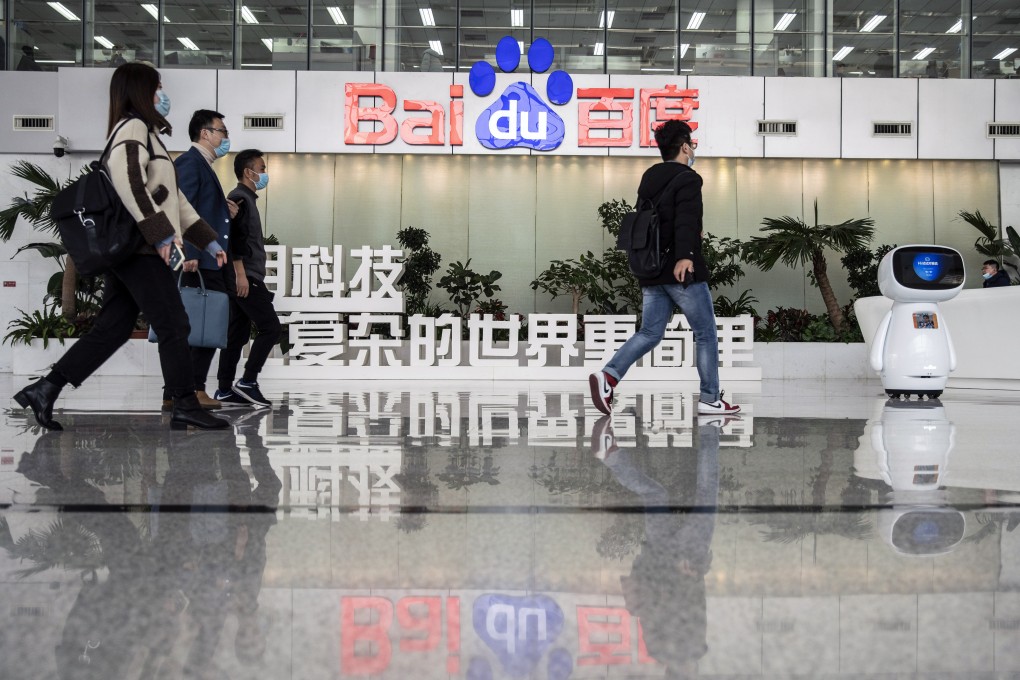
pixel 921 274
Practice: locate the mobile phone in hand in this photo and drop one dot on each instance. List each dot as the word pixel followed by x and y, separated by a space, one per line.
pixel 176 257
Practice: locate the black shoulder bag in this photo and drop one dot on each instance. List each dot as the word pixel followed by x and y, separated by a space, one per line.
pixel 639 237
pixel 97 229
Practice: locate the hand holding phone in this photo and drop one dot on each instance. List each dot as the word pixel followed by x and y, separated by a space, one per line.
pixel 176 257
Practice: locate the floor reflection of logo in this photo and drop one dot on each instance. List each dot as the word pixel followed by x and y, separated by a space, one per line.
pixel 519 630
pixel 520 117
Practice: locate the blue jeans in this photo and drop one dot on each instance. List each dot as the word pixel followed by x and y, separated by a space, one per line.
pixel 657 306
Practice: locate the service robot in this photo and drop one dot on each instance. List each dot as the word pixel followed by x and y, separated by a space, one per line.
pixel 912 349
pixel 907 447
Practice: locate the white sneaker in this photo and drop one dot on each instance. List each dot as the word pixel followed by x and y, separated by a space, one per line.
pixel 717 407
pixel 719 420
pixel 603 441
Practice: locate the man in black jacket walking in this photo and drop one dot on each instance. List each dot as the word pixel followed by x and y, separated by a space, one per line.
pixel 676 189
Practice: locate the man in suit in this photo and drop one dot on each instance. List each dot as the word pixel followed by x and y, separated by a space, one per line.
pixel 210 140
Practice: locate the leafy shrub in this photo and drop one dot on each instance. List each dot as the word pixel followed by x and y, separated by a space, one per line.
pixel 46 325
pixel 744 304
pixel 861 265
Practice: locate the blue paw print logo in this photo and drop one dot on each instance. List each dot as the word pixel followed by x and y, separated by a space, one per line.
pixel 520 117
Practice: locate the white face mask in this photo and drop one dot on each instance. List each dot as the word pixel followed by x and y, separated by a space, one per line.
pixel 690 157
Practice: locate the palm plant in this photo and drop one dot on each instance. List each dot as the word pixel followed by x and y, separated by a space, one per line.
pixel 990 243
pixel 35 209
pixel 795 243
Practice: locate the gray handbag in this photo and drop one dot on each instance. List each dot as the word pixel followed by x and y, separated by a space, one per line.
pixel 208 313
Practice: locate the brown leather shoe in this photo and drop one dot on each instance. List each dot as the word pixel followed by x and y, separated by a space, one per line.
pixel 207 402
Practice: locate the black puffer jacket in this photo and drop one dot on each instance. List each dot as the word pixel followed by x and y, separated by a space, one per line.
pixel 1000 278
pixel 681 208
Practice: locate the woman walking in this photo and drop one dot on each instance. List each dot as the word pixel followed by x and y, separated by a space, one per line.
pixel 144 178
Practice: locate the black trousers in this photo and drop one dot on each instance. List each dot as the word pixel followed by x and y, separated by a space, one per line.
pixel 142 283
pixel 255 309
pixel 221 279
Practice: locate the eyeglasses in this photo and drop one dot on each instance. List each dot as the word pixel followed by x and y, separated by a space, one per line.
pixel 222 131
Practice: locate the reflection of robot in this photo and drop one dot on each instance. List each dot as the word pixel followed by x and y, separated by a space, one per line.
pixel 912 349
pixel 909 451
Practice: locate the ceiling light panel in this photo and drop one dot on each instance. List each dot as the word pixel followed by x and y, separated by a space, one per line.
pixel 517 18
pixel 427 18
pixel 784 22
pixel 247 15
pixel 873 23
pixel 695 21
pixel 337 16
pixel 63 11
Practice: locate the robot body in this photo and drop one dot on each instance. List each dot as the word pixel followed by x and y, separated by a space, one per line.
pixel 912 349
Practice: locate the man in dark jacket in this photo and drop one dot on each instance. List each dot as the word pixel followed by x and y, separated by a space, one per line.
pixel 253 303
pixel 676 189
pixel 993 276
pixel 200 185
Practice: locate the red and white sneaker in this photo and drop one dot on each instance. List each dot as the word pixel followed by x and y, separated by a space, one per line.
pixel 717 407
pixel 601 392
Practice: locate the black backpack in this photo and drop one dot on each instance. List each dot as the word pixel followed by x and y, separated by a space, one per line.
pixel 639 237
pixel 97 230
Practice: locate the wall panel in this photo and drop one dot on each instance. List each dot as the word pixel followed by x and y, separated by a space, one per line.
pixel 502 215
pixel 900 201
pixel 970 186
pixel 297 205
pixel 37 96
pixel 435 197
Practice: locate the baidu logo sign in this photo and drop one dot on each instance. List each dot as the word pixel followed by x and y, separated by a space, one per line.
pixel 520 117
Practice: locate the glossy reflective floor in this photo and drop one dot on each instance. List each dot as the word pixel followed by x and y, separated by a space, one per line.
pixel 486 531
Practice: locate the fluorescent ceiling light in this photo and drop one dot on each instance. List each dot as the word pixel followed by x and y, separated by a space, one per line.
pixel 247 15
pixel 600 49
pixel 843 51
pixel 602 18
pixel 957 27
pixel 656 70
pixel 337 16
pixel 268 42
pixel 436 46
pixel 784 22
pixel 517 17
pixel 154 11
pixel 923 53
pixel 188 43
pixel 63 11
pixel 520 46
pixel 695 21
pixel 427 19
pixel 104 42
pixel 683 49
pixel 873 23
pixel 1005 53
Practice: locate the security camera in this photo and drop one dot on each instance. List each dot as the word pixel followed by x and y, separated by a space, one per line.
pixel 60 146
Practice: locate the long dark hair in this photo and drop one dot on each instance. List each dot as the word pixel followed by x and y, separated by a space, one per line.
pixel 132 88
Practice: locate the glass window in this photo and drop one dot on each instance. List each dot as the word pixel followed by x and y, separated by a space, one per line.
pixel 640 38
pixel 789 39
pixel 198 34
pixel 273 34
pixel 122 31
pixel 572 27
pixel 46 36
pixel 715 38
pixel 932 37
pixel 346 35
pixel 3 40
pixel 862 39
pixel 484 22
pixel 422 36
pixel 995 52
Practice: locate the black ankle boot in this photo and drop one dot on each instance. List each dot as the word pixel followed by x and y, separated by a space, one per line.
pixel 40 397
pixel 187 411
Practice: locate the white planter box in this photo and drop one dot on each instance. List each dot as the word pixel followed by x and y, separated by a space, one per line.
pixel 813 361
pixel 136 357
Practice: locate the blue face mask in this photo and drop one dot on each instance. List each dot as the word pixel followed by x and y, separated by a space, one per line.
pixel 224 148
pixel 986 276
pixel 262 182
pixel 163 106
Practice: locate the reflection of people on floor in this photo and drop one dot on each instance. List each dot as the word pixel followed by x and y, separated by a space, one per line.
pixel 127 618
pixel 216 549
pixel 666 586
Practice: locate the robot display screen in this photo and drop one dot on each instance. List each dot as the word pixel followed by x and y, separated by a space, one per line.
pixel 929 268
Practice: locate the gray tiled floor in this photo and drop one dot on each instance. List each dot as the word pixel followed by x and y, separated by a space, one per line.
pixel 479 531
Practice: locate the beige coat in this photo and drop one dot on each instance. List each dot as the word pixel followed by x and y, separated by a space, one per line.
pixel 148 187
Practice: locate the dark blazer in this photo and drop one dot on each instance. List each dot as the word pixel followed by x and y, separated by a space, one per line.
pixel 202 188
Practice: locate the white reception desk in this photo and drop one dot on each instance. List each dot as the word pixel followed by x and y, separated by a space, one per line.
pixel 984 324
